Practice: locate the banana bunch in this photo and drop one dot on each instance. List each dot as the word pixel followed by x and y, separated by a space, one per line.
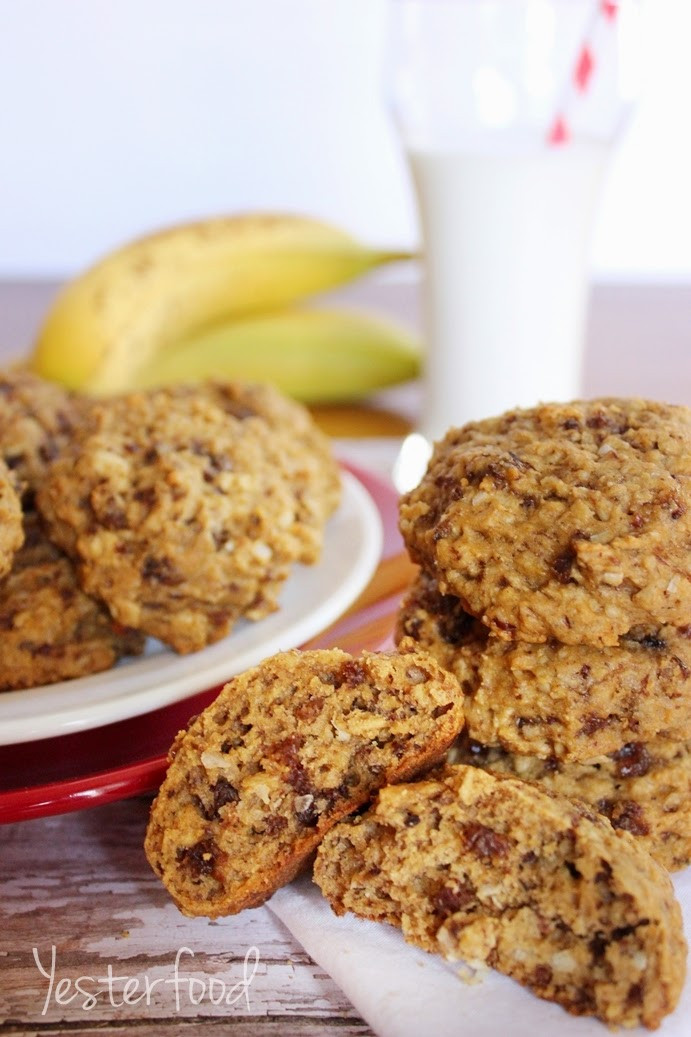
pixel 218 298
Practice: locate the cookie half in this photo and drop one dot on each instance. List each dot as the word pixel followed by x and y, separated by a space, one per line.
pixel 498 872
pixel 286 750
pixel 566 521
pixel 554 701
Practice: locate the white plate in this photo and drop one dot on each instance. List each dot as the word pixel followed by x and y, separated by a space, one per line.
pixel 313 597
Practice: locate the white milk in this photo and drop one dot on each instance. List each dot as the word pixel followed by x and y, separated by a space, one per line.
pixel 506 239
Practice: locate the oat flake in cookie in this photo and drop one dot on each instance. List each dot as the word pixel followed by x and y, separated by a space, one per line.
pixel 569 521
pixel 495 871
pixel 49 629
pixel 176 515
pixel 286 750
pixel 554 701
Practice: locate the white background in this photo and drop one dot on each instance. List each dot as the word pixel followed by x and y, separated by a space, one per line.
pixel 117 116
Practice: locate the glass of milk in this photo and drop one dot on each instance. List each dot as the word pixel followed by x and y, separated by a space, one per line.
pixel 507 110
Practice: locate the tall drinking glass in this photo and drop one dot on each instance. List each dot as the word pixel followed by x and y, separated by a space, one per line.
pixel 507 110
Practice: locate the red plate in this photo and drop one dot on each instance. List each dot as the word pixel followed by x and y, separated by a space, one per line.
pixel 57 775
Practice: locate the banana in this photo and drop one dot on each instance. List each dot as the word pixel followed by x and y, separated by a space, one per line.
pixel 314 355
pixel 166 287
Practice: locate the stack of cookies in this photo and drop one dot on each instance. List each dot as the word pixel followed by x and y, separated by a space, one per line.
pixel 170 513
pixel 50 629
pixel 555 583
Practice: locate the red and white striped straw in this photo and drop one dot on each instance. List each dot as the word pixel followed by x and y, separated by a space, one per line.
pixel 601 19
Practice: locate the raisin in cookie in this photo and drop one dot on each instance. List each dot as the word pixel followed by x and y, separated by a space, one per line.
pixel 176 516
pixel 49 629
pixel 643 788
pixel 36 421
pixel 286 750
pixel 497 871
pixel 569 702
pixel 567 521
pixel 11 533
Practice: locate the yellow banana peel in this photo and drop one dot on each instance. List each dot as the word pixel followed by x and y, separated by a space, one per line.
pixel 167 287
pixel 314 355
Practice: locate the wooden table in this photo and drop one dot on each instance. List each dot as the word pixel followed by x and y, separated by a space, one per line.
pixel 89 940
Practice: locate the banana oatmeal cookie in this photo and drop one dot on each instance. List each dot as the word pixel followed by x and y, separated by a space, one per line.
pixel 176 513
pixel 499 872
pixel 49 629
pixel 11 533
pixel 36 420
pixel 644 788
pixel 566 521
pixel 569 702
pixel 286 750
pixel 298 449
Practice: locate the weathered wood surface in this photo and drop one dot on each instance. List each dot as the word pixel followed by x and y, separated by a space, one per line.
pixel 89 939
